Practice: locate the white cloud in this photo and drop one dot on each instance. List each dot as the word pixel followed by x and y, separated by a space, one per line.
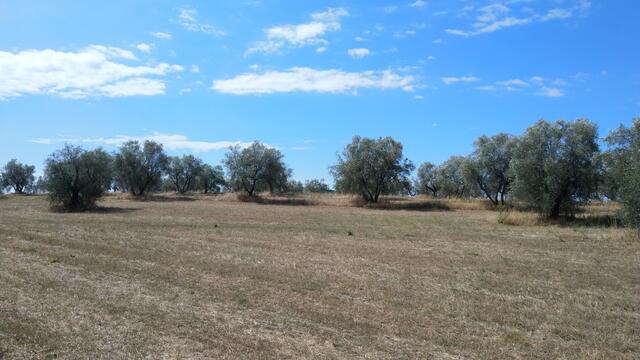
pixel 464 79
pixel 195 69
pixel 321 49
pixel 302 79
pixel 496 16
pixel 538 80
pixel 556 14
pixel 358 53
pixel 170 142
pixel 418 97
pixel 187 18
pixel 536 84
pixel 162 35
pixel 550 92
pixel 144 47
pixel 437 41
pixel 131 87
pixel 418 4
pixel 513 84
pixel 96 70
pixel 300 35
pixel 431 57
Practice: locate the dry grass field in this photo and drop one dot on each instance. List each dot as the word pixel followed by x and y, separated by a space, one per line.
pixel 209 277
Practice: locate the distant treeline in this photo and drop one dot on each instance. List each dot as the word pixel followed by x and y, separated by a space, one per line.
pixel 553 167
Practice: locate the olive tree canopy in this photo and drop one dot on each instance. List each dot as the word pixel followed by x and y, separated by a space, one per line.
pixel 622 169
pixel 183 172
pixel 17 176
pixel 75 178
pixel 555 165
pixel 210 179
pixel 138 168
pixel 487 168
pixel 371 167
pixel 316 186
pixel 256 168
pixel 430 179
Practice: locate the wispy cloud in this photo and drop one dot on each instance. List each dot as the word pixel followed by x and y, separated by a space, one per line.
pixel 300 35
pixel 94 71
pixel 418 4
pixel 170 142
pixel 145 47
pixel 462 79
pixel 162 35
pixel 537 85
pixel 550 92
pixel 302 79
pixel 188 18
pixel 358 53
pixel 499 16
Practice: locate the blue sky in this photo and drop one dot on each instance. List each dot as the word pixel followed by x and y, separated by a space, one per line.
pixel 306 76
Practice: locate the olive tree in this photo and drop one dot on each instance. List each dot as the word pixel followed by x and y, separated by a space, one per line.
pixel 293 187
pixel 255 168
pixel 453 180
pixel 316 186
pixel 371 167
pixel 555 165
pixel 183 171
pixel 622 169
pixel 210 179
pixel 487 168
pixel 19 177
pixel 139 168
pixel 429 179
pixel 75 178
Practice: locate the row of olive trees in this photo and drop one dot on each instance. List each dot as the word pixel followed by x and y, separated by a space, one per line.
pixel 552 167
pixel 75 178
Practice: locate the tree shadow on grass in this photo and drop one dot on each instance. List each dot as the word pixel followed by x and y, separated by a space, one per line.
pixel 592 221
pixel 412 206
pixel 291 201
pixel 95 210
pixel 112 210
pixel 162 198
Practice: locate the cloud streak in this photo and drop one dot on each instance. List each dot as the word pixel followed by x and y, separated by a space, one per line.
pixel 539 85
pixel 188 19
pixel 498 16
pixel 301 79
pixel 169 141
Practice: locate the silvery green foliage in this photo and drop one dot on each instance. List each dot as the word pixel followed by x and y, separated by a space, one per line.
pixel 138 169
pixel 487 168
pixel 452 177
pixel 555 165
pixel 19 177
pixel 183 171
pixel 371 167
pixel 430 180
pixel 76 178
pixel 622 169
pixel 316 186
pixel 256 168
pixel 211 179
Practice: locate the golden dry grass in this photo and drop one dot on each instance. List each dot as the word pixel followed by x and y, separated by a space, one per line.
pixel 211 277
